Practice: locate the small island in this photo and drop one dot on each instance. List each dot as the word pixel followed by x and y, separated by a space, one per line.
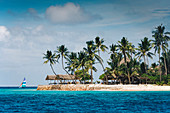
pixel 128 66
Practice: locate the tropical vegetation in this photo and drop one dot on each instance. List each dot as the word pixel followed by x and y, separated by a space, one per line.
pixel 127 64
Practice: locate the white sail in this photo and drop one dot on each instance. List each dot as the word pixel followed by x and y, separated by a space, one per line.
pixel 23 84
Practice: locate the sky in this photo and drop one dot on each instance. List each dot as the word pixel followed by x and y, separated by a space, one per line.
pixel 28 28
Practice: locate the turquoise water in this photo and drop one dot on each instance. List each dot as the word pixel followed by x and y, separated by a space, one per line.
pixel 30 100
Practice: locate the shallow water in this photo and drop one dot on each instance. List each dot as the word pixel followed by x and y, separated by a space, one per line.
pixel 30 100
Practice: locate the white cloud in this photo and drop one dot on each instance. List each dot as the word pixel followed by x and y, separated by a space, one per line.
pixel 44 37
pixel 37 30
pixel 24 49
pixel 4 33
pixel 69 14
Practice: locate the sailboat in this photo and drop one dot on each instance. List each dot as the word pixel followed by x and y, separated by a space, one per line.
pixel 23 84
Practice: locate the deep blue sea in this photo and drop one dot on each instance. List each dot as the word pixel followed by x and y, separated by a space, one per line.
pixel 31 100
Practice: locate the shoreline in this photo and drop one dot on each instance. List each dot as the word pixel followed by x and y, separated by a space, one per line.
pixel 102 87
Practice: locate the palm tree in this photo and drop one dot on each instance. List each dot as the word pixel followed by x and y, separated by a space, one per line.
pixel 164 46
pixel 108 73
pixel 154 69
pixel 114 60
pixel 160 42
pixel 144 50
pixel 82 58
pixel 72 62
pixel 92 56
pixel 82 75
pixel 90 66
pixel 113 49
pixel 168 61
pixel 132 49
pixel 63 53
pixel 50 57
pixel 134 68
pixel 99 45
pixel 115 57
pixel 123 46
pixel 157 48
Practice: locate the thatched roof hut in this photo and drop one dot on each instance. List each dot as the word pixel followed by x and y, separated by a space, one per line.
pixel 51 77
pixel 61 77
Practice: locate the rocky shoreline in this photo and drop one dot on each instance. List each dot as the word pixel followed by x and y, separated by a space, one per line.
pixel 102 87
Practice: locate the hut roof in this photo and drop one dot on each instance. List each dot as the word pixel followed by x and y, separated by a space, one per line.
pixel 51 77
pixel 66 77
pixel 61 77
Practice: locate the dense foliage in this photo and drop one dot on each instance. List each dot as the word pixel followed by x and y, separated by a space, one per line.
pixel 127 64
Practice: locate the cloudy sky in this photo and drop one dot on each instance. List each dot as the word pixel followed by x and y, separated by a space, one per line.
pixel 29 27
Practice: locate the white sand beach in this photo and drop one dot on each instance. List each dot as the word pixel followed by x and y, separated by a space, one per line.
pixel 101 87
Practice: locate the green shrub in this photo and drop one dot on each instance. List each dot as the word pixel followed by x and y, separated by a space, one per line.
pixel 157 83
pixel 160 83
pixel 168 83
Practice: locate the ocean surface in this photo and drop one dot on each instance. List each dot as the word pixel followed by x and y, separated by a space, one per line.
pixel 31 100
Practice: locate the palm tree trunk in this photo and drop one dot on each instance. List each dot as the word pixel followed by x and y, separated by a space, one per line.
pixel 129 77
pixel 83 74
pixel 160 67
pixel 127 67
pixel 106 75
pixel 147 60
pixel 75 76
pixel 106 79
pixel 103 66
pixel 120 81
pixel 128 73
pixel 165 66
pixel 63 66
pixel 91 74
pixel 104 71
pixel 124 56
pixel 165 61
pixel 52 69
pixel 144 63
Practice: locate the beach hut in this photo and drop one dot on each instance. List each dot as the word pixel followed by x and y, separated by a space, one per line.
pixel 64 79
pixel 51 78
